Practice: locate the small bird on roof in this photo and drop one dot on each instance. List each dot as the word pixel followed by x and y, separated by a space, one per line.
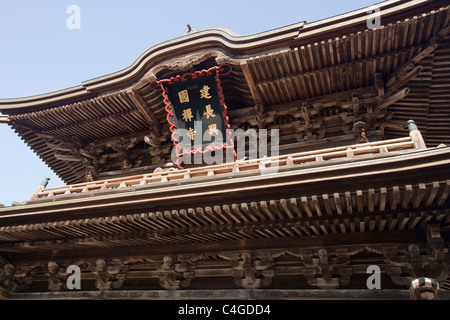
pixel 190 29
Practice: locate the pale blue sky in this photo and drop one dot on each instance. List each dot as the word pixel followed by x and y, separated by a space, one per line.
pixel 39 54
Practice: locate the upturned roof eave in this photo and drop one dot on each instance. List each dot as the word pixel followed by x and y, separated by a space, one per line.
pixel 211 37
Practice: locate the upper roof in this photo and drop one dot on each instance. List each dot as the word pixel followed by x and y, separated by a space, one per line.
pixel 312 81
pixel 298 34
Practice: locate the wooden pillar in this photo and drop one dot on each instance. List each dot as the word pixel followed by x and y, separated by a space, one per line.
pixel 415 135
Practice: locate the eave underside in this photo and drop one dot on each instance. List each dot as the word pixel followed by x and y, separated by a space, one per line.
pixel 309 91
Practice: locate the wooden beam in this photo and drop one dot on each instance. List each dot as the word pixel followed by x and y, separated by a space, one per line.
pixel 306 241
pixel 343 98
pixel 432 45
pixel 251 84
pixel 419 194
pixel 70 158
pixel 144 110
pixel 4 119
pixel 236 294
pixel 400 73
pixel 255 95
pixel 392 99
pixel 39 134
pixel 349 20
pixel 443 193
pixel 403 80
pixel 134 135
pixel 60 147
pixel 355 105
pixel 379 85
pixel 432 194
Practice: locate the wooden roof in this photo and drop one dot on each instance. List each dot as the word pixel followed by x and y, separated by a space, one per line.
pixel 311 81
pixel 329 192
pixel 314 216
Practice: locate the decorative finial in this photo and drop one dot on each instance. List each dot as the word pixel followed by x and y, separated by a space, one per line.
pixel 90 174
pixel 45 182
pixel 415 135
pixel 411 125
pixel 359 129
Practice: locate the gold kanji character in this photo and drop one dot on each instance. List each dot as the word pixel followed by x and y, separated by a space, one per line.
pixel 205 92
pixel 213 129
pixel 184 96
pixel 187 115
pixel 191 133
pixel 209 112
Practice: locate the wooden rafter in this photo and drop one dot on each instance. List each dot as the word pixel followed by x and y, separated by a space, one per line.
pixel 403 207
pixel 145 110
pixel 401 81
pixel 4 119
pixel 404 73
pixel 392 99
pixel 260 112
pixel 70 158
pixel 60 147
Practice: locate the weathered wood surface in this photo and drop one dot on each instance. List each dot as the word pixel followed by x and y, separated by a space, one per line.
pixel 351 152
pixel 358 211
pixel 298 266
pixel 312 227
pixel 268 90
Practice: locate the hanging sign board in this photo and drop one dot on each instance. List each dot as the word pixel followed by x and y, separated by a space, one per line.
pixel 196 111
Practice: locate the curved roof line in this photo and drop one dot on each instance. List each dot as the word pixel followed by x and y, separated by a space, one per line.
pixel 214 37
pixel 211 37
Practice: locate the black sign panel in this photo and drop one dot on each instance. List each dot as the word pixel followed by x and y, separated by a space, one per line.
pixel 197 100
pixel 196 110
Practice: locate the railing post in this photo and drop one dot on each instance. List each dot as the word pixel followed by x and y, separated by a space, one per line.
pixel 415 135
pixel 41 187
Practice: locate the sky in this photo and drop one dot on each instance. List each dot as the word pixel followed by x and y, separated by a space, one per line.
pixel 42 52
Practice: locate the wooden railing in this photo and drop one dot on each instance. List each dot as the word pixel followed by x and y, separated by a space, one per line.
pixel 249 166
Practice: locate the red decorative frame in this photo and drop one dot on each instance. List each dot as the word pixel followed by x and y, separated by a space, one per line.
pixel 159 86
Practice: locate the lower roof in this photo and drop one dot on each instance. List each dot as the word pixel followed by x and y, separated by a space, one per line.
pixel 360 190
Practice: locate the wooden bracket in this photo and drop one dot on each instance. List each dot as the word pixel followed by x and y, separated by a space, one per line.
pixel 404 74
pixel 145 110
pixel 392 99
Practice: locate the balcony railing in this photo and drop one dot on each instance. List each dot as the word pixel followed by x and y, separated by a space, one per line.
pixel 251 167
